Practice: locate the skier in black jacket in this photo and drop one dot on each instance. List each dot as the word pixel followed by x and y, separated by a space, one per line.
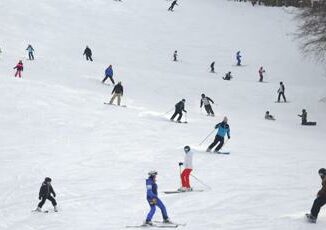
pixel 117 92
pixel 205 100
pixel 304 120
pixel 179 108
pixel 45 193
pixel 213 67
pixel 88 53
pixel 172 5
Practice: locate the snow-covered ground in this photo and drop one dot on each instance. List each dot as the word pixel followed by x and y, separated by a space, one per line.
pixel 54 123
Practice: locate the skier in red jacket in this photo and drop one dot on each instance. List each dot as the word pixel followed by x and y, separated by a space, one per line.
pixel 19 67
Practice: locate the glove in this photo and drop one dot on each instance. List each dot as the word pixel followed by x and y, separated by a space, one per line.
pixel 39 198
pixel 153 201
pixel 229 138
pixel 180 163
pixel 54 194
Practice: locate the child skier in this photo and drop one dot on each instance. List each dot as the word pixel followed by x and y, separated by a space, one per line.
pixel 172 5
pixel 187 170
pixel 45 193
pixel 261 72
pixel 205 100
pixel 320 200
pixel 153 200
pixel 30 52
pixel 223 128
pixel 117 92
pixel 179 108
pixel 238 57
pixel 19 68
pixel 109 74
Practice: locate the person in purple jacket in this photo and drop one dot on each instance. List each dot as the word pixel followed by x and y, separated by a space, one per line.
pixel 153 199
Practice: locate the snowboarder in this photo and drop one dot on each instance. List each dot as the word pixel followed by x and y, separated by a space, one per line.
pixel 179 108
pixel 30 52
pixel 228 76
pixel 45 193
pixel 109 74
pixel 88 53
pixel 320 200
pixel 172 5
pixel 304 119
pixel 268 116
pixel 187 170
pixel 205 100
pixel 19 68
pixel 223 128
pixel 261 72
pixel 153 200
pixel 213 67
pixel 117 92
pixel 175 55
pixel 281 92
pixel 238 57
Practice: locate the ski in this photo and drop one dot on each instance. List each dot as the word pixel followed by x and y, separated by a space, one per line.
pixel 171 223
pixel 225 153
pixel 153 226
pixel 107 103
pixel 36 211
pixel 177 191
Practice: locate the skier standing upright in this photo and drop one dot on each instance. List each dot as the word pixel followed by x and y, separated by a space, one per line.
pixel 223 129
pixel 109 74
pixel 206 102
pixel 153 200
pixel 212 67
pixel 175 55
pixel 281 92
pixel 45 193
pixel 238 57
pixel 320 200
pixel 185 181
pixel 261 72
pixel 117 92
pixel 88 53
pixel 19 68
pixel 179 108
pixel 172 5
pixel 30 52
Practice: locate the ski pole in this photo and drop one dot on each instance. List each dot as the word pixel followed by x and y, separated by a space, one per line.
pixel 206 137
pixel 168 112
pixel 180 174
pixel 207 186
pixel 186 118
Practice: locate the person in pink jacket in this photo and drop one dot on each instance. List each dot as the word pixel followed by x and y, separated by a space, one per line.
pixel 19 68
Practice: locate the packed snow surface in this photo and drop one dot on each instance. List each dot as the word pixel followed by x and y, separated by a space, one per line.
pixel 54 123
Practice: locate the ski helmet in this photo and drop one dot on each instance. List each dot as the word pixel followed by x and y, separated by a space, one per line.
pixel 186 148
pixel 152 173
pixel 202 95
pixel 322 172
pixel 47 179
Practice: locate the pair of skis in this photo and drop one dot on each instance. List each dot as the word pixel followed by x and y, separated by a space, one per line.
pixel 157 224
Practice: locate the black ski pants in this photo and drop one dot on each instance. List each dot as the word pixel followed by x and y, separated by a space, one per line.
pixel 218 139
pixel 88 57
pixel 318 203
pixel 279 97
pixel 50 198
pixel 177 112
pixel 209 109
pixel 30 56
pixel 111 78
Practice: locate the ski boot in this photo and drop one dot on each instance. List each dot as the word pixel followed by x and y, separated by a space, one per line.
pixel 148 223
pixel 38 209
pixel 208 150
pixel 167 221
pixel 189 189
pixel 55 208
pixel 311 218
pixel 182 189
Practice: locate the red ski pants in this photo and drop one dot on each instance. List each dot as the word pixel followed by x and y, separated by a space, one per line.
pixel 185 177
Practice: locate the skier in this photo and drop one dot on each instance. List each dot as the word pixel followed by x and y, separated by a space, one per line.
pixel 187 170
pixel 19 68
pixel 223 128
pixel 304 118
pixel 213 67
pixel 205 100
pixel 268 116
pixel 45 193
pixel 117 92
pixel 172 5
pixel 175 55
pixel 228 76
pixel 238 57
pixel 320 200
pixel 109 74
pixel 179 108
pixel 153 200
pixel 30 52
pixel 280 92
pixel 88 53
pixel 261 73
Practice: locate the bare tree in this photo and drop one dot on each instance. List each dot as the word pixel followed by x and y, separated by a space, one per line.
pixel 312 30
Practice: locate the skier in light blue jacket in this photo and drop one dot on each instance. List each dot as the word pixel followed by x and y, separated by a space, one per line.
pixel 30 52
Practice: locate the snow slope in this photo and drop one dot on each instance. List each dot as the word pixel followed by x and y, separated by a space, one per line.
pixel 54 122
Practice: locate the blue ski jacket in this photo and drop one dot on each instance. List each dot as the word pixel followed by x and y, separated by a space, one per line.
pixel 109 72
pixel 222 129
pixel 151 187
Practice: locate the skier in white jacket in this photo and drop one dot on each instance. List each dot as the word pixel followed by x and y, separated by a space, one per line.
pixel 187 170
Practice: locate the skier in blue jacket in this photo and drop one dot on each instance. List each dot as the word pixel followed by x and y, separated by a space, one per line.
pixel 238 56
pixel 153 199
pixel 30 52
pixel 109 74
pixel 223 129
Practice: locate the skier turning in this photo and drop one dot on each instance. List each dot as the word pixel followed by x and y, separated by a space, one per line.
pixel 205 100
pixel 187 170
pixel 238 57
pixel 320 200
pixel 45 193
pixel 30 52
pixel 88 53
pixel 179 108
pixel 223 128
pixel 153 200
pixel 172 5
